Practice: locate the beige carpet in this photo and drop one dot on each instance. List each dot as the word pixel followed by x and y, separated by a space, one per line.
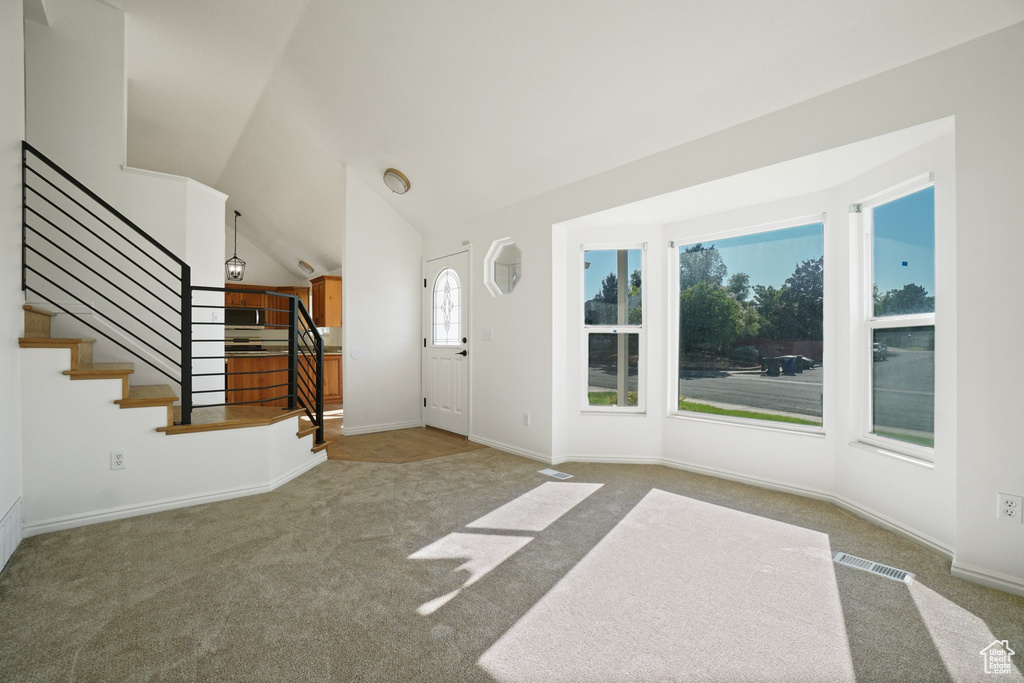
pixel 476 567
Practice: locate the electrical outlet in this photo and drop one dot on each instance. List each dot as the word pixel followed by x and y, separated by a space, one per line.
pixel 118 460
pixel 526 419
pixel 1010 507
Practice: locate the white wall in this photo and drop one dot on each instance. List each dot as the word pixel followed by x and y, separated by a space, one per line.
pixel 75 106
pixel 381 302
pixel 68 480
pixel 978 84
pixel 12 131
pixel 260 267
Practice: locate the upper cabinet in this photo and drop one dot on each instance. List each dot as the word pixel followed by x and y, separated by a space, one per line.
pixel 279 318
pixel 327 301
pixel 252 297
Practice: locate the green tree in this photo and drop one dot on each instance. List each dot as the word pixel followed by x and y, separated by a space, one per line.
pixel 739 286
pixel 699 264
pixel 911 299
pixel 804 294
pixel 709 319
pixel 775 315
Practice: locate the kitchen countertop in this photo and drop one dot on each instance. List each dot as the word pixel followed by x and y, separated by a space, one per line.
pixel 328 351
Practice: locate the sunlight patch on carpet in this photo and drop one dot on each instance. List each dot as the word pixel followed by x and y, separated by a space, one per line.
pixel 682 588
pixel 536 509
pixel 480 553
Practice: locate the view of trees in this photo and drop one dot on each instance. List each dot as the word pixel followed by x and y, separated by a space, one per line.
pixel 718 314
pixel 911 299
pixel 607 298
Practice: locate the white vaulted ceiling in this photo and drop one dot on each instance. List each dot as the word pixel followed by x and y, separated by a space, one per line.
pixel 481 103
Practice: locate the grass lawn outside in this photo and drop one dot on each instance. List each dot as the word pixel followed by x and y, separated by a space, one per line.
pixel 706 409
pixel 919 439
pixel 609 398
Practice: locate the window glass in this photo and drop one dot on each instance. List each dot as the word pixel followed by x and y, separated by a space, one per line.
pixel 904 255
pixel 612 362
pixel 447 322
pixel 903 384
pixel 751 326
pixel 602 271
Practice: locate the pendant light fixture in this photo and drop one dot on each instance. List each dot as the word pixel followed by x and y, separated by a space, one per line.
pixel 234 267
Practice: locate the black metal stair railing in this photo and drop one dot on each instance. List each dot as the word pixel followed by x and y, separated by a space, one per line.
pixel 79 252
pixel 303 382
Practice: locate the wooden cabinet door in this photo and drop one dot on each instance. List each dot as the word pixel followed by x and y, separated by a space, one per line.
pixel 318 302
pixel 234 299
pixel 332 379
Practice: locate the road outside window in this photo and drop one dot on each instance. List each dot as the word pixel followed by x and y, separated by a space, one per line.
pixel 613 327
pixel 902 320
pixel 751 326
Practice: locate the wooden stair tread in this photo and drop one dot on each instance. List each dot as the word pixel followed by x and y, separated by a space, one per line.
pixel 40 311
pixel 305 431
pixel 51 342
pixel 102 370
pixel 229 417
pixel 320 446
pixel 147 395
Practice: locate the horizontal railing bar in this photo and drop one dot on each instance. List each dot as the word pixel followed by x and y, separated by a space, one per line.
pixel 92 195
pixel 102 277
pixel 89 230
pixel 96 329
pixel 112 321
pixel 238 372
pixel 108 225
pixel 215 391
pixel 79 243
pixel 242 403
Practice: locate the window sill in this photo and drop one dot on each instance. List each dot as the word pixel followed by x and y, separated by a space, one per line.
pixel 896 453
pixel 750 424
pixel 621 413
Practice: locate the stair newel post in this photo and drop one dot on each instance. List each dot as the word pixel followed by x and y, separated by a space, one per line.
pixel 319 387
pixel 293 352
pixel 186 344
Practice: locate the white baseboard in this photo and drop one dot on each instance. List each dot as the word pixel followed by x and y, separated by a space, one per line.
pixel 126 511
pixel 370 429
pixel 508 448
pixel 850 506
pixel 10 532
pixel 987 578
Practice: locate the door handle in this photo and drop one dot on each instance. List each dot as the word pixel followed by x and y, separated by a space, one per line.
pixel 461 353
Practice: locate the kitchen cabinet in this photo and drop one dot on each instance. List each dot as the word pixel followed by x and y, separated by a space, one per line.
pixel 251 296
pixel 327 301
pixel 332 378
pixel 244 388
pixel 279 319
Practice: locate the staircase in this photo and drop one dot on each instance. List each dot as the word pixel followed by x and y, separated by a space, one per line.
pixel 189 441
pixel 37 336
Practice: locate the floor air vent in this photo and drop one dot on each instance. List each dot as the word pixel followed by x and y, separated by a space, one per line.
pixel 873 567
pixel 555 473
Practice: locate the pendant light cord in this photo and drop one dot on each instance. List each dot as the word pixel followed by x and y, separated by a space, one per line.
pixel 236 233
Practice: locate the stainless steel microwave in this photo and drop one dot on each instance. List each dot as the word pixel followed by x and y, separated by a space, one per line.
pixel 245 317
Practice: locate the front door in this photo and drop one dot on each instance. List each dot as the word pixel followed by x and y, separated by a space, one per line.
pixel 445 343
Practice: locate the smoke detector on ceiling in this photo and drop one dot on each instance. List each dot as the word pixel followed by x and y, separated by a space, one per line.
pixel 396 181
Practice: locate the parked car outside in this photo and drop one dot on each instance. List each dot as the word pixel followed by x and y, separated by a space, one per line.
pixel 879 351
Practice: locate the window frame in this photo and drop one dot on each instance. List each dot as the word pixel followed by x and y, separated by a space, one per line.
pixel 869 323
pixel 433 311
pixel 674 322
pixel 586 330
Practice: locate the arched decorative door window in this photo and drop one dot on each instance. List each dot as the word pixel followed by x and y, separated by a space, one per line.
pixel 447 309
